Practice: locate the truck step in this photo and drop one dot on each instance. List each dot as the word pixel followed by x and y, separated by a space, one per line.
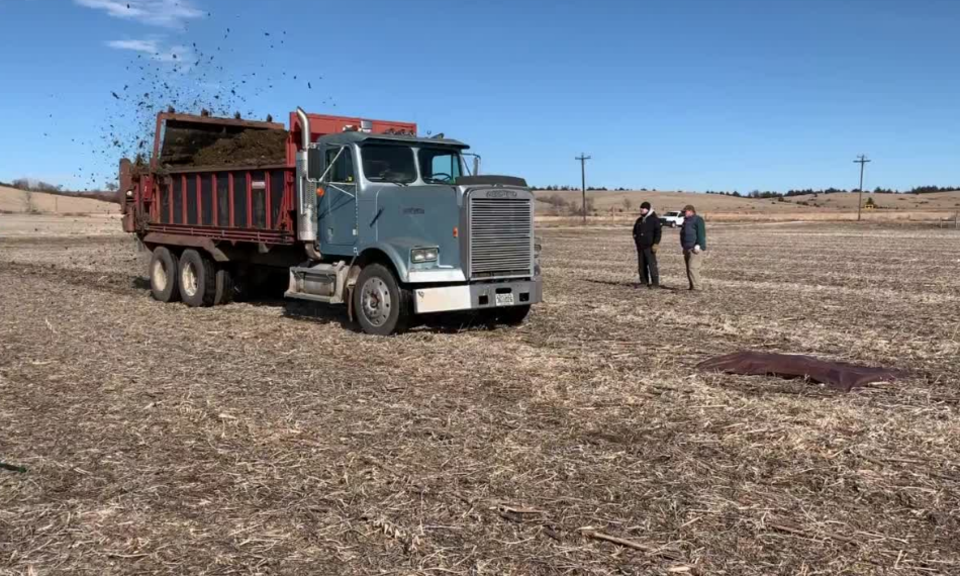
pixel 312 298
pixel 319 283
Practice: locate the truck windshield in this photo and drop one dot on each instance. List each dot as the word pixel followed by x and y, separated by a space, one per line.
pixel 389 163
pixel 439 165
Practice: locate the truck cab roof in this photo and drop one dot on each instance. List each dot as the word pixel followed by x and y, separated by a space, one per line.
pixel 346 138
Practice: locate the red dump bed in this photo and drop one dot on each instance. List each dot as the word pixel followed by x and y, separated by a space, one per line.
pixel 222 178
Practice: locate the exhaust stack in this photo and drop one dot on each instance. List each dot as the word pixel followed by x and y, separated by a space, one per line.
pixel 304 129
pixel 306 193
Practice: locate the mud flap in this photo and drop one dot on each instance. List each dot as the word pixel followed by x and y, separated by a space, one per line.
pixel 127 203
pixel 350 303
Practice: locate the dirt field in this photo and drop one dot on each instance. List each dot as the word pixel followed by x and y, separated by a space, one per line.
pixel 267 438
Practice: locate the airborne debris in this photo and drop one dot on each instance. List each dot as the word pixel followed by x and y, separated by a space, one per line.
pixel 187 82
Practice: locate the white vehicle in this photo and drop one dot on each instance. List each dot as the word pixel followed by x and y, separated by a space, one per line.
pixel 672 219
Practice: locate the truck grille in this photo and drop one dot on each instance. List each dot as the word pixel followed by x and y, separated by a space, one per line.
pixel 501 237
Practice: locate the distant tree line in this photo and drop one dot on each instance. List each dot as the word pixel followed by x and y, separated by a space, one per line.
pixel 930 189
pixel 109 194
pixel 815 192
pixel 556 188
pixel 29 185
pixel 722 193
pixel 768 193
pixel 812 192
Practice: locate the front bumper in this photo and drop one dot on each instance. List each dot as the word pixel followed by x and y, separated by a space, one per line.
pixel 478 296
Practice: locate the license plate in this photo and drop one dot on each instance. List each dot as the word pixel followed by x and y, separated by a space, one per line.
pixel 505 299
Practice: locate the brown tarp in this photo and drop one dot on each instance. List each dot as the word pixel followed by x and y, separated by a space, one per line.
pixel 835 374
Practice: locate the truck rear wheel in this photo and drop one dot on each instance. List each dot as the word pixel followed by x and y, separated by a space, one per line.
pixel 226 287
pixel 382 306
pixel 198 283
pixel 164 270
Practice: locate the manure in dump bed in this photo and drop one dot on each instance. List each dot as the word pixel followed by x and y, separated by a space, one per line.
pixel 189 144
pixel 248 148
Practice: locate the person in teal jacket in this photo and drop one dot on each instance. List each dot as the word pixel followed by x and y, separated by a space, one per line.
pixel 693 241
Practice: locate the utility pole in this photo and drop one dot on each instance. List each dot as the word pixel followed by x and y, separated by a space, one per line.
pixel 862 161
pixel 583 182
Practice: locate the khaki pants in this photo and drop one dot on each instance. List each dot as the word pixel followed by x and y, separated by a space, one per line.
pixel 693 262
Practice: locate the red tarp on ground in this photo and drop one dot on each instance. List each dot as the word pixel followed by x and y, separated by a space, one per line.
pixel 835 374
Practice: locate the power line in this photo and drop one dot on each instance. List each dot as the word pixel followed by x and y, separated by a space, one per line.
pixel 862 160
pixel 583 182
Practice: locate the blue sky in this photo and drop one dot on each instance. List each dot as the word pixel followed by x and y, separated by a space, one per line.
pixel 682 94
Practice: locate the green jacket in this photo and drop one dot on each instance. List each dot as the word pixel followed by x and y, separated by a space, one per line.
pixel 693 233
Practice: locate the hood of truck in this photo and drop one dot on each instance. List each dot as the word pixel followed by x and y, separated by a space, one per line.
pixel 491 180
pixel 401 218
pixel 482 232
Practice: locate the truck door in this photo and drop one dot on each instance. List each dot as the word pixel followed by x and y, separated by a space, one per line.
pixel 337 212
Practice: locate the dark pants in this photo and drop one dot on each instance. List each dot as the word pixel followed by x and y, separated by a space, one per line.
pixel 649 271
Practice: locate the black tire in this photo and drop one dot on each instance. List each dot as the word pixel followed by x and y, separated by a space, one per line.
pixel 197 279
pixel 382 307
pixel 164 273
pixel 226 286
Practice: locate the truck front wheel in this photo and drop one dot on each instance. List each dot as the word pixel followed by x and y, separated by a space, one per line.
pixel 198 283
pixel 382 306
pixel 163 275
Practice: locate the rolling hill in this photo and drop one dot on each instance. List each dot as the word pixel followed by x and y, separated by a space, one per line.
pixel 17 201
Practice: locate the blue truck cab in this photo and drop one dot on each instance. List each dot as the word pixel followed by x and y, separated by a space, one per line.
pixel 396 226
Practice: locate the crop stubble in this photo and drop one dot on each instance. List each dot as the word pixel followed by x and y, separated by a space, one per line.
pixel 267 438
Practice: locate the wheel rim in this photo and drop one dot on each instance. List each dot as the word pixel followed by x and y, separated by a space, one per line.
pixel 375 301
pixel 188 279
pixel 159 275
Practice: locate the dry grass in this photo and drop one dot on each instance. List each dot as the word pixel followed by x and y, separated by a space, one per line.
pixel 948 219
pixel 825 207
pixel 267 439
pixel 666 201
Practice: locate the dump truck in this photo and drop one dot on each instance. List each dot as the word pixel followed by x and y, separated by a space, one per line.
pixel 347 211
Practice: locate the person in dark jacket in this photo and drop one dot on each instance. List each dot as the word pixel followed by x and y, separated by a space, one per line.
pixel 693 241
pixel 647 231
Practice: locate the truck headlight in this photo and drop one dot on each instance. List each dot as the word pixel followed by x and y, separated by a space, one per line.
pixel 421 255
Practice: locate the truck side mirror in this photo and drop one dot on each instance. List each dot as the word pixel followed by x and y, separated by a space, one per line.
pixel 314 164
pixel 476 165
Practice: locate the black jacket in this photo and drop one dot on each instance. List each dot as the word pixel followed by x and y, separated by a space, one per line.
pixel 647 232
